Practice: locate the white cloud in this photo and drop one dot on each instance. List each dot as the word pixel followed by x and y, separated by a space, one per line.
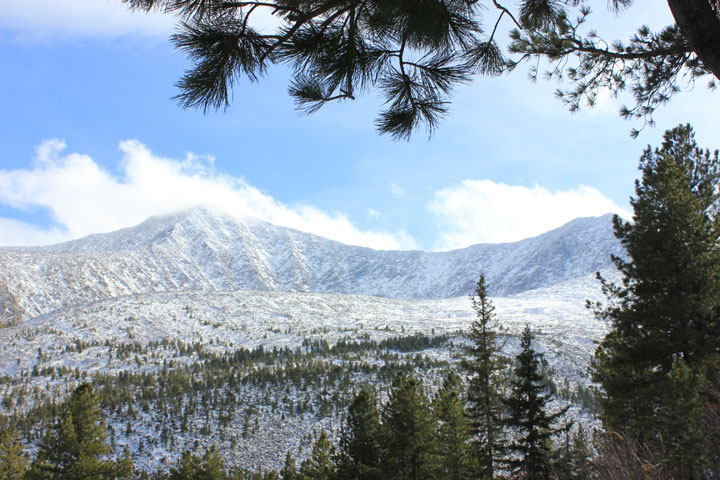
pixel 84 198
pixel 483 211
pixel 34 20
pixel 397 190
pixel 46 19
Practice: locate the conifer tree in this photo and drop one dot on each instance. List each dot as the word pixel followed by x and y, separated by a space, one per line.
pixel 360 447
pixel 668 305
pixel 76 447
pixel 528 417
pixel 12 462
pixel 320 465
pixel 574 460
pixel 452 434
pixel 289 470
pixel 408 432
pixel 416 52
pixel 191 467
pixel 484 365
pixel 684 438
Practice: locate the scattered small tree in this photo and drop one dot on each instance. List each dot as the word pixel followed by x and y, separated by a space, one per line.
pixel 191 467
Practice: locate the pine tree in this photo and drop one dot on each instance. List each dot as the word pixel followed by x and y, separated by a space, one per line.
pixel 684 438
pixel 191 467
pixel 320 465
pixel 76 447
pixel 289 470
pixel 484 365
pixel 668 305
pixel 12 462
pixel 408 430
pixel 416 53
pixel 528 416
pixel 452 434
pixel 574 460
pixel 360 447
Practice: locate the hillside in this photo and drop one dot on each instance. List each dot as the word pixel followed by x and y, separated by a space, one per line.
pixel 200 250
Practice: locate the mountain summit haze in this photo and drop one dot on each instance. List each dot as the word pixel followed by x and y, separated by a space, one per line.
pixel 202 250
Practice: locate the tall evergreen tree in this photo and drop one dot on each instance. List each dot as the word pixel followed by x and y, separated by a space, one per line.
pixel 12 462
pixel 76 447
pixel 668 305
pixel 484 365
pixel 528 416
pixel 320 465
pixel 360 439
pixel 452 434
pixel 407 432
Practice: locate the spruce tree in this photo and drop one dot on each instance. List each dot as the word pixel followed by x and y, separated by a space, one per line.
pixel 484 365
pixel 531 450
pixel 668 305
pixel 452 434
pixel 408 429
pixel 76 447
pixel 360 439
pixel 12 462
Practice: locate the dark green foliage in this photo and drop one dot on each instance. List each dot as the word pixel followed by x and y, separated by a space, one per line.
pixel 13 463
pixel 531 447
pixel 574 460
pixel 76 447
pixel 416 52
pixel 289 470
pixel 484 365
pixel 191 467
pixel 452 432
pixel 668 306
pixel 408 431
pixel 320 464
pixel 360 447
pixel 685 438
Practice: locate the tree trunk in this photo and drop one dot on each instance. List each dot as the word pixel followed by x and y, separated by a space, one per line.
pixel 699 22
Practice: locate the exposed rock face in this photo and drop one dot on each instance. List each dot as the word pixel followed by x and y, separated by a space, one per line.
pixel 201 250
pixel 10 311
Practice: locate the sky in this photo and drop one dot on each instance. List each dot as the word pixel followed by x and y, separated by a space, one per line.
pixel 91 141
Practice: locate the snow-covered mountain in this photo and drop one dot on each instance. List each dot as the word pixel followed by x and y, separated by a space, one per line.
pixel 202 250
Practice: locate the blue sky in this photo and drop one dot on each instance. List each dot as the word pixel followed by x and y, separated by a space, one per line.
pixel 90 141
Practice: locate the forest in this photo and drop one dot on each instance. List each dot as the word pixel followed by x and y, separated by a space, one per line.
pixel 658 373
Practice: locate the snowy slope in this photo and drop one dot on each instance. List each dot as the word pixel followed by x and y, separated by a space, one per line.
pixel 206 251
pixel 224 321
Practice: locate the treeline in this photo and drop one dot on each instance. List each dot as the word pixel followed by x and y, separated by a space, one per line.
pixel 412 435
pixel 211 392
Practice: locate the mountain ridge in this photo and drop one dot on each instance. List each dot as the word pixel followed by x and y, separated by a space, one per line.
pixel 202 250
